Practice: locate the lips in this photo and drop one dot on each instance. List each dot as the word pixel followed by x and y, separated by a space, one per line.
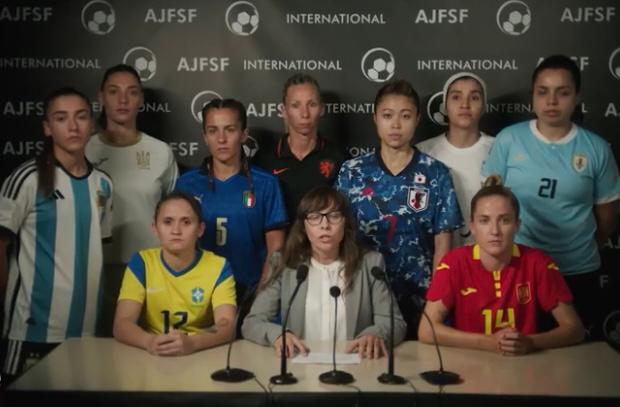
pixel 122 111
pixel 552 112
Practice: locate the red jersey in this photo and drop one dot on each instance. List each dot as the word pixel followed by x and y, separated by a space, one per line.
pixel 485 301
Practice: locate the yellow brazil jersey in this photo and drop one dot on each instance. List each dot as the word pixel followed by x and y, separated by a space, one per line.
pixel 182 300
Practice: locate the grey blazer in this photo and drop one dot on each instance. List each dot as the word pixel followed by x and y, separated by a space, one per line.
pixel 367 304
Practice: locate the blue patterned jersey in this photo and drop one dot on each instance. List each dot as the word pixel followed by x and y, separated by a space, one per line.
pixel 399 215
pixel 238 212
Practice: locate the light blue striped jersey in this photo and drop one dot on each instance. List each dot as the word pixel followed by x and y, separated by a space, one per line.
pixel 557 184
pixel 56 261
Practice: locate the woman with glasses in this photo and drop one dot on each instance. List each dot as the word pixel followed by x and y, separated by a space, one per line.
pixel 323 237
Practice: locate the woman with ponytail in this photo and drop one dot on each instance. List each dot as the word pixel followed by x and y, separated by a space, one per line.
pixel 55 210
pixel 143 169
pixel 242 205
pixel 494 291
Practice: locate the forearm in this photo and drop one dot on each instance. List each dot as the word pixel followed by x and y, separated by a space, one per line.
pixel 216 335
pixel 448 336
pixel 563 335
pixel 128 332
pixel 606 220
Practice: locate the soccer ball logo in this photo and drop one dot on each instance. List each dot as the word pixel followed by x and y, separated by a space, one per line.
pixel 436 110
pixel 614 63
pixel 514 17
pixel 143 60
pixel 242 18
pixel 98 17
pixel 611 328
pixel 200 100
pixel 378 65
pixel 250 147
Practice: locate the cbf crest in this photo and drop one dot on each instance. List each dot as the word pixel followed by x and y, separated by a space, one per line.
pixel 580 161
pixel 418 198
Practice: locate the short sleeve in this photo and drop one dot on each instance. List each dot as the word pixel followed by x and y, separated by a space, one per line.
pixel 606 181
pixel 447 212
pixel 441 287
pixel 224 292
pixel 106 216
pixel 275 212
pixel 497 161
pixel 171 174
pixel 343 180
pixel 551 288
pixel 134 280
pixel 17 198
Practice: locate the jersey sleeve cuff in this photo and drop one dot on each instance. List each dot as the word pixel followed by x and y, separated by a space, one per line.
pixel 276 226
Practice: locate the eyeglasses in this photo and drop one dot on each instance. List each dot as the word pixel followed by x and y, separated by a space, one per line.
pixel 333 218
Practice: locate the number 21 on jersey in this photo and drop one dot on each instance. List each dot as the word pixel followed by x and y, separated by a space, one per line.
pixel 492 324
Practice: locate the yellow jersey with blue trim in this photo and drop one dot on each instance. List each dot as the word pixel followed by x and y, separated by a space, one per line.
pixel 183 300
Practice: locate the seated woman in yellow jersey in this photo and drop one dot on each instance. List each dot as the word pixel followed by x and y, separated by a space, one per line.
pixel 323 237
pixel 186 294
pixel 494 289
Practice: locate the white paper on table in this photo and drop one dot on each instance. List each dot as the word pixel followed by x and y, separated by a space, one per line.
pixel 323 358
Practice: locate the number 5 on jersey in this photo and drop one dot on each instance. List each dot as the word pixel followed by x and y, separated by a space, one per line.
pixel 221 233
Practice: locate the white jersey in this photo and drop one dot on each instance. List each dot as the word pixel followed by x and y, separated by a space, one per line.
pixel 56 259
pixel 142 173
pixel 465 165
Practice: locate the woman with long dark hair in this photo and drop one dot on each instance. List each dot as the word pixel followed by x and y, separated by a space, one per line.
pixel 142 167
pixel 566 179
pixel 323 237
pixel 55 209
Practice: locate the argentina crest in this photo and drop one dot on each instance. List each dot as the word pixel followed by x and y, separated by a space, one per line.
pixel 418 198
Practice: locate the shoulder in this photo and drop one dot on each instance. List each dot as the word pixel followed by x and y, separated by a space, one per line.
pixel 191 176
pixel 514 131
pixel 598 142
pixel 154 143
pixel 262 175
pixel 372 258
pixel 462 253
pixel 432 163
pixel 429 144
pixel 25 175
pixel 98 172
pixel 532 254
pixel 486 140
pixel 366 160
pixel 215 260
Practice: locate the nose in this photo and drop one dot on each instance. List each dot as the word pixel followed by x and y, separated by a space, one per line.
pixel 122 97
pixel 324 222
pixel 552 99
pixel 176 228
pixel 396 122
pixel 305 111
pixel 495 228
pixel 72 123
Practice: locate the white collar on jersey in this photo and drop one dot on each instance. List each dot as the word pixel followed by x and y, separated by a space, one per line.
pixel 564 140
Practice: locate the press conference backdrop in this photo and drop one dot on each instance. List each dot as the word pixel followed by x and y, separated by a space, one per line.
pixel 190 51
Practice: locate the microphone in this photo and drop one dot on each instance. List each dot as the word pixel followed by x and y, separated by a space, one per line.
pixel 284 377
pixel 228 374
pixel 437 377
pixel 389 377
pixel 335 376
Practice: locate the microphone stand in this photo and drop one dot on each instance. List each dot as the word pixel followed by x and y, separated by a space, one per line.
pixel 389 377
pixel 228 374
pixel 437 377
pixel 335 376
pixel 286 377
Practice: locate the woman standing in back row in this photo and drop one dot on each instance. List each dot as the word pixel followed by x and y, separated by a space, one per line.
pixel 143 169
pixel 566 180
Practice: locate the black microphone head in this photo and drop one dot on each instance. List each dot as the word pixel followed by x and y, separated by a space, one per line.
pixel 302 273
pixel 378 273
pixel 334 291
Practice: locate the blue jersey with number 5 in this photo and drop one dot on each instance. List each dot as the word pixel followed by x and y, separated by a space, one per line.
pixel 557 184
